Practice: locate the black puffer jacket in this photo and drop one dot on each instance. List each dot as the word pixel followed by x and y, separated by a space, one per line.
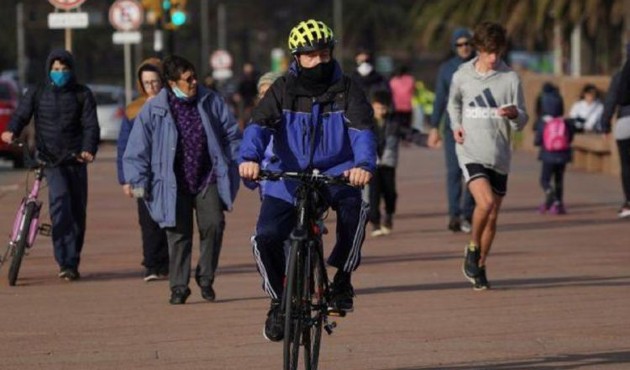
pixel 65 117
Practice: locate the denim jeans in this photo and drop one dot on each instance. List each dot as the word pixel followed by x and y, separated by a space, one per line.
pixel 460 201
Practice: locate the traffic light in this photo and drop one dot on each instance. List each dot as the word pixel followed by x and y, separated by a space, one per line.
pixel 175 12
pixel 153 10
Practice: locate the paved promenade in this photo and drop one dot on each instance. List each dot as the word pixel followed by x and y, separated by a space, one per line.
pixel 560 297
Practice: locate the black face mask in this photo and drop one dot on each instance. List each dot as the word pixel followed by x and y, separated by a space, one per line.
pixel 318 78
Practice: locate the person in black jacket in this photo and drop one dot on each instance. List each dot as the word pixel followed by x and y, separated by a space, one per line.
pixel 618 101
pixel 67 134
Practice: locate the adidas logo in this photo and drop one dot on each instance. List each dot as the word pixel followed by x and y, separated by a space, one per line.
pixel 484 106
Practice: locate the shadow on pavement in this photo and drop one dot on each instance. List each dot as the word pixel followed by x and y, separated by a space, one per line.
pixel 567 361
pixel 533 283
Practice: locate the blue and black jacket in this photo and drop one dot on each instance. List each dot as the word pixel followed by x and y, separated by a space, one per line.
pixel 333 131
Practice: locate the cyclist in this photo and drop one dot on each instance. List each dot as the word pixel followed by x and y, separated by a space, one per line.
pixel 65 123
pixel 319 120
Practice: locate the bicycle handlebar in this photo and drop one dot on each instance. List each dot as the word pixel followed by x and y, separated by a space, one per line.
pixel 35 162
pixel 303 177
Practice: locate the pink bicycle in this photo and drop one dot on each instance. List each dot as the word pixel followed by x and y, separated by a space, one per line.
pixel 26 225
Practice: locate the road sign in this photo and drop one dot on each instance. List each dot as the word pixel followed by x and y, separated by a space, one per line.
pixel 221 59
pixel 67 20
pixel 133 37
pixel 66 4
pixel 126 15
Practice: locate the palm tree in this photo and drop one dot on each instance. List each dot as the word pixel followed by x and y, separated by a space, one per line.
pixel 530 23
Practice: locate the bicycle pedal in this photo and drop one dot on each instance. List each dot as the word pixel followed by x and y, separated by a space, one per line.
pixel 336 313
pixel 329 327
pixel 45 229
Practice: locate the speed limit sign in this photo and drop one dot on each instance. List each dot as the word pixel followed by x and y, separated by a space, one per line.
pixel 66 4
pixel 126 15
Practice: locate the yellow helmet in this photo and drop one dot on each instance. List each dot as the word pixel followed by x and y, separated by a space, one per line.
pixel 310 35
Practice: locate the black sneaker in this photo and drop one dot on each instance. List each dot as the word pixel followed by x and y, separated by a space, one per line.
pixel 341 293
pixel 207 293
pixel 274 325
pixel 162 272
pixel 150 275
pixel 179 295
pixel 472 254
pixel 72 274
pixel 455 225
pixel 481 281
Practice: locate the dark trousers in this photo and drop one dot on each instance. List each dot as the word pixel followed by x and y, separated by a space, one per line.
pixel 460 201
pixel 382 186
pixel 278 218
pixel 624 161
pixel 67 194
pixel 555 171
pixel 210 222
pixel 154 243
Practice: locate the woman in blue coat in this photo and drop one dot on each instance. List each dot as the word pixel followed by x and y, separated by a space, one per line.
pixel 181 157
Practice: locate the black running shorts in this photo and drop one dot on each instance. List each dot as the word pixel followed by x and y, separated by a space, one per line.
pixel 498 182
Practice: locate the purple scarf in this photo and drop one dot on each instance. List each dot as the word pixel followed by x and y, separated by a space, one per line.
pixel 193 168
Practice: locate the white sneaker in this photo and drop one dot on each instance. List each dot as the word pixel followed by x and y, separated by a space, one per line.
pixel 624 212
pixel 465 226
pixel 377 232
pixel 385 230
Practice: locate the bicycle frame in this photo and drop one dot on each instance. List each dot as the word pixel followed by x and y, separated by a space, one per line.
pixel 306 292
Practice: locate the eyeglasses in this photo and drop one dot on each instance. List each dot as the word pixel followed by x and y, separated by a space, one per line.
pixel 190 79
pixel 151 83
pixel 462 44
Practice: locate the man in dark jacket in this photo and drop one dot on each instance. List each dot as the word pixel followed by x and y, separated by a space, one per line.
pixel 319 119
pixel 460 213
pixel 67 135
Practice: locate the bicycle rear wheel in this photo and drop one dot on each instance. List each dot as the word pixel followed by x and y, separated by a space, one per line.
pixel 293 306
pixel 21 243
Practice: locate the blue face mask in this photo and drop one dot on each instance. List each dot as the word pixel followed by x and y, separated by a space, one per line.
pixel 179 93
pixel 60 78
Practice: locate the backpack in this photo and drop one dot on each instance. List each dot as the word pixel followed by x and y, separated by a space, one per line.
pixel 555 135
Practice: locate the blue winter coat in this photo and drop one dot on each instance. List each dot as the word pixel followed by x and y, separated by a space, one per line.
pixel 339 124
pixel 150 155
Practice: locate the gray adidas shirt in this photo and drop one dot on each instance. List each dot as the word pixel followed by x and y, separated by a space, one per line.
pixel 472 104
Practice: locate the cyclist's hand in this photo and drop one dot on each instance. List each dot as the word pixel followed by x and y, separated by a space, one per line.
pixel 85 157
pixel 127 190
pixel 7 137
pixel 458 134
pixel 249 170
pixel 358 176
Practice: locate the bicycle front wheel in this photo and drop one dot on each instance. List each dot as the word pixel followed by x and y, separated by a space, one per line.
pixel 21 243
pixel 293 306
pixel 318 308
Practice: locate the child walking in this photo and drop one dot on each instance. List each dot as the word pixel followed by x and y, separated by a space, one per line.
pixel 553 136
pixel 383 184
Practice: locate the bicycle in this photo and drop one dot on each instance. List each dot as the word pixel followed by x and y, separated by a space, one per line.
pixel 26 225
pixel 307 289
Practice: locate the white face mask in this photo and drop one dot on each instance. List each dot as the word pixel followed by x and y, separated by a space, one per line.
pixel 364 69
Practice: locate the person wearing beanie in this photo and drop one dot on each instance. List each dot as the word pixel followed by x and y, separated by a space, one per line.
pixel 154 246
pixel 460 202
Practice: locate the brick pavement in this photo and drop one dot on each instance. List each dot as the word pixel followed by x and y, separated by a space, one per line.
pixel 559 298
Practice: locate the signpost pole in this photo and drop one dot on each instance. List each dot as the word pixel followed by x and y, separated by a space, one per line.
pixel 127 52
pixel 69 39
